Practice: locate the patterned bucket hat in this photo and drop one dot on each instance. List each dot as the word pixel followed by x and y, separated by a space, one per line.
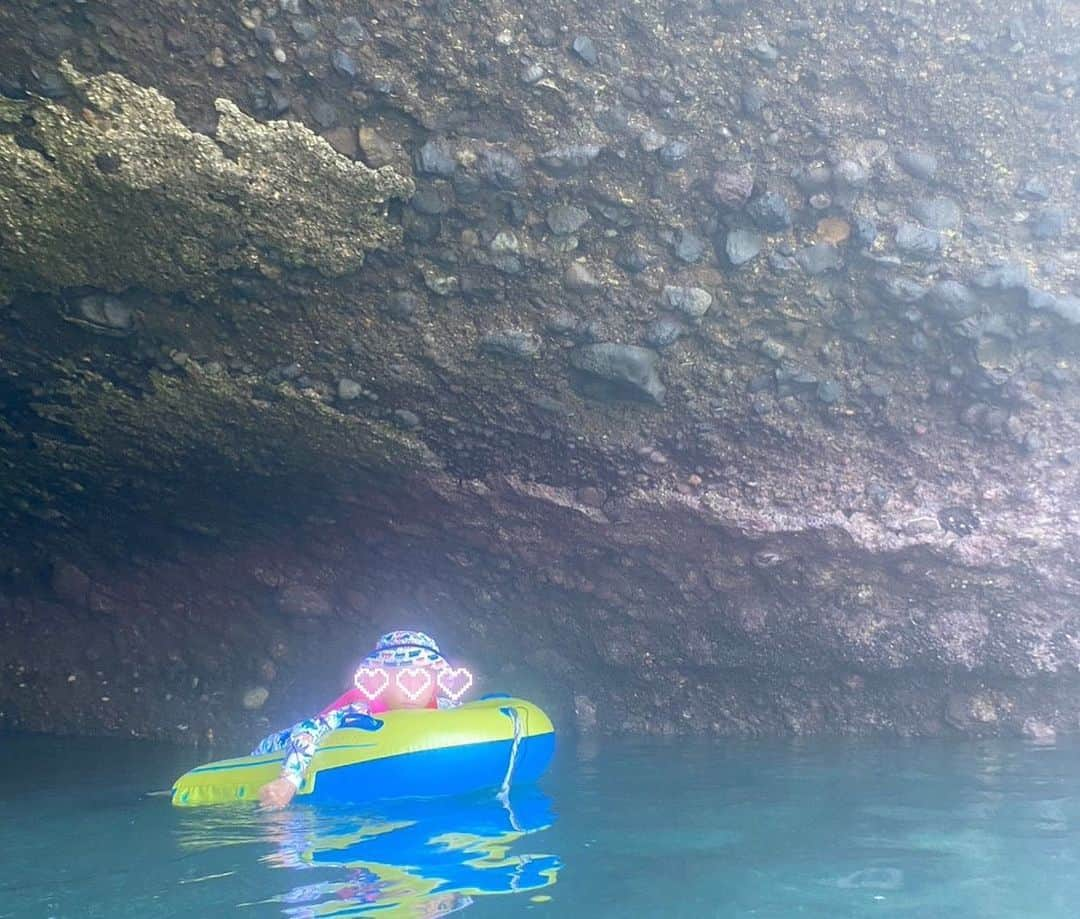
pixel 406 648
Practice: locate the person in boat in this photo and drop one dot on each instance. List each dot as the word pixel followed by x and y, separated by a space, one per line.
pixel 405 670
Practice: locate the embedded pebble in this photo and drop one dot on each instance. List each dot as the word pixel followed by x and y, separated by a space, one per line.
pixel 664 332
pixel 918 165
pixel 951 300
pixel 107 312
pixel 323 114
pixel 579 277
pixel 1008 276
pixel 1049 222
pixel 770 212
pixel 939 213
pixel 435 158
pixel 819 258
pixel 502 169
pixel 833 230
pixel 402 304
pixel 512 343
pixel 733 189
pixel 304 29
pixel 629 365
pixel 584 48
pixel 255 698
pixel 564 219
pixel 348 390
pixel 741 246
pixel 917 241
pixel 1033 189
pixel 864 232
pixel 343 64
pixel 813 179
pixel 571 157
pixel 429 200
pixel 690 247
pixel 752 101
pixel 532 73
pixel 351 31
pixel 690 301
pixel 403 418
pixel 830 391
pixel 674 153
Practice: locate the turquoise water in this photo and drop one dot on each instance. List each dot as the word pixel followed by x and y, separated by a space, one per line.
pixel 822 829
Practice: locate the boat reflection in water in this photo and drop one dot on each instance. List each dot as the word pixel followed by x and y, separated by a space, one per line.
pixel 412 858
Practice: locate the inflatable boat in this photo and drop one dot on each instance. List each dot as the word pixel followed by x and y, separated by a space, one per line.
pixel 405 753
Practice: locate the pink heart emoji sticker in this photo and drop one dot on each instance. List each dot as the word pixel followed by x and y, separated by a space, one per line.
pixel 371 681
pixel 413 681
pixel 454 681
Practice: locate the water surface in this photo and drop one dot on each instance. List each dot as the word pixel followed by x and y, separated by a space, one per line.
pixel 620 828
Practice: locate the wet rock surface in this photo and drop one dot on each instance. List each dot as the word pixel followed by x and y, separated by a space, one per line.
pixel 746 392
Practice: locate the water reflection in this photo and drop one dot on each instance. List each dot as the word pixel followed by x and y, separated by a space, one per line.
pixel 417 858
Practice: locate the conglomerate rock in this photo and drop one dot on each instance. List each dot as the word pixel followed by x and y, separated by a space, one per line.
pixel 831 483
pixel 120 194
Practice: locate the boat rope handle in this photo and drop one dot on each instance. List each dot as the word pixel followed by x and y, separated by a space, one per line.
pixel 504 789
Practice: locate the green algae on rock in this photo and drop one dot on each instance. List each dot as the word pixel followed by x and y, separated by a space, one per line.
pixel 122 193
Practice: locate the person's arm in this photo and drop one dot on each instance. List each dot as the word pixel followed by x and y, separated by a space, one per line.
pixel 303 742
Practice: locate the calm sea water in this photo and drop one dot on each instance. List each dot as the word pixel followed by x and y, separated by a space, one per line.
pixel 822 829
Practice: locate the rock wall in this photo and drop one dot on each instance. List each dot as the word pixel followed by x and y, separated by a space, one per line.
pixel 691 366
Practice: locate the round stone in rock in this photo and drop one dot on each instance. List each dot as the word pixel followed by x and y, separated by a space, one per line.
pixel 348 390
pixel 343 64
pixel 690 247
pixel 674 153
pixel 106 312
pixel 850 175
pixel 917 165
pixel 255 697
pixel 951 300
pixel 650 140
pixel 630 258
pixel 502 169
pixel 732 189
pixel 770 212
pixel 818 258
pixel 564 219
pixel 629 365
pixel 830 391
pixel 428 200
pixel 584 48
pixel 939 213
pixel 403 418
pixel 917 241
pixel 752 100
pixel 532 73
pixel 1033 189
pixel 324 114
pixel 570 157
pixel 305 30
pixel 1009 276
pixel 512 343
pixel 402 304
pixel 690 301
pixel 1049 223
pixel 264 35
pixel 435 158
pixel 579 277
pixel 864 232
pixel 812 179
pixel 350 31
pixel 741 246
pixel 664 332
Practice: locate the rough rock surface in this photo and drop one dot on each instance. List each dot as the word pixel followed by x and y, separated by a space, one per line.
pixel 850 500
